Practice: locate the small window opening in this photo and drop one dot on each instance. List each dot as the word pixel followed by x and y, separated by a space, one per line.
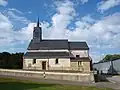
pixel 34 61
pixel 79 63
pixel 77 55
pixel 56 61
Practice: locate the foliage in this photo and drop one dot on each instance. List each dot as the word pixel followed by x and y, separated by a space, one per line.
pixel 14 84
pixel 11 61
pixel 111 57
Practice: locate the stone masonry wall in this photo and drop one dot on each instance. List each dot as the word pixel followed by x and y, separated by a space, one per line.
pixel 80 77
pixel 63 64
pixel 85 67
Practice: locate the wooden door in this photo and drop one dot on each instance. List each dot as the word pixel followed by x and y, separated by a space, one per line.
pixel 43 65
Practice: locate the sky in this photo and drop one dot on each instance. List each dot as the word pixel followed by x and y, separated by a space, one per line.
pixel 95 21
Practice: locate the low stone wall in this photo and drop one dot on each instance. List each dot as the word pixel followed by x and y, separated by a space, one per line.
pixel 81 77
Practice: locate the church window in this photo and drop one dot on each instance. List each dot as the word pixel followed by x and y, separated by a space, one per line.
pixel 77 56
pixel 34 61
pixel 79 63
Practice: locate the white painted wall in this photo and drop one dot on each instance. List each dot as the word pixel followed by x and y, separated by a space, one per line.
pixel 37 65
pixel 62 62
pixel 26 62
pixel 82 53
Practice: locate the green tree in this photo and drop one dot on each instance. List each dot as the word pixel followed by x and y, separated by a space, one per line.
pixel 111 57
pixel 12 61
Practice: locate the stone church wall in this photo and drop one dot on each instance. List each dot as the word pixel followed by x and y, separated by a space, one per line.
pixel 85 67
pixel 63 64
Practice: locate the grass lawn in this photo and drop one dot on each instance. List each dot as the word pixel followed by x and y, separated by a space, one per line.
pixel 14 84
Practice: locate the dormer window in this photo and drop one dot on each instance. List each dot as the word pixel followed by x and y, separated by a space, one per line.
pixel 77 56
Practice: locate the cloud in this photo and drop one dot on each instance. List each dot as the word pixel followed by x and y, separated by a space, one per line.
pixel 3 2
pixel 88 19
pixel 101 35
pixel 25 34
pixel 17 15
pixel 84 1
pixel 107 4
pixel 15 10
pixel 79 1
pixel 11 38
pixel 18 11
pixel 96 56
pixel 29 12
pixel 5 29
pixel 64 14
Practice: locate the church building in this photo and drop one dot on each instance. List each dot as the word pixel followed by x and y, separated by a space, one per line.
pixel 56 54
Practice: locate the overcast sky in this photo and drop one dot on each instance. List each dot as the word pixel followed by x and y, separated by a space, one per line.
pixel 95 21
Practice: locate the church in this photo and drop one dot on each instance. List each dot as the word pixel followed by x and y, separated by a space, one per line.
pixel 56 54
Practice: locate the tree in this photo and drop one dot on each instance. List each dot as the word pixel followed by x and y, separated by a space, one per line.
pixel 12 61
pixel 111 57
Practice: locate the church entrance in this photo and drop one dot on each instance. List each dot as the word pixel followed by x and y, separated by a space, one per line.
pixel 43 65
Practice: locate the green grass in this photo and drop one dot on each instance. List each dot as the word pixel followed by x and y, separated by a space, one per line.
pixel 14 84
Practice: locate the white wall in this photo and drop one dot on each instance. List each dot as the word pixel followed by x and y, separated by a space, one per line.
pixel 26 63
pixel 37 65
pixel 104 67
pixel 82 53
pixel 116 65
pixel 62 62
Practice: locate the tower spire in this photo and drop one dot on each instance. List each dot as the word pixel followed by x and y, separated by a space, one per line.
pixel 38 22
pixel 37 33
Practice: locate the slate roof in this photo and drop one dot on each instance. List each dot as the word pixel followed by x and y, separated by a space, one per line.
pixel 78 46
pixel 48 44
pixel 57 45
pixel 46 55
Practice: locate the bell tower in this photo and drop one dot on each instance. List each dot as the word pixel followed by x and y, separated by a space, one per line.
pixel 37 33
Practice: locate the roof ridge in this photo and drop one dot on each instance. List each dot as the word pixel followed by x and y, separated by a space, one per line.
pixel 55 39
pixel 77 42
